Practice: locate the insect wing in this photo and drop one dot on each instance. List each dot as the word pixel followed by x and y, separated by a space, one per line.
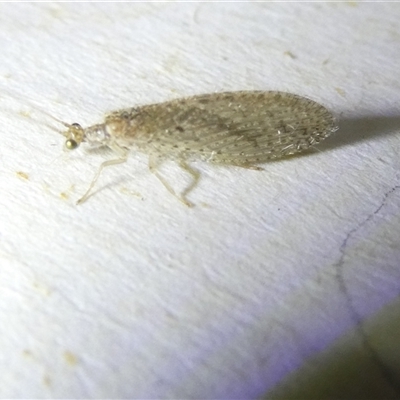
pixel 241 128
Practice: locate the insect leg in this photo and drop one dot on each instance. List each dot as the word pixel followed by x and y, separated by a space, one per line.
pixel 154 163
pixel 195 180
pixel 123 153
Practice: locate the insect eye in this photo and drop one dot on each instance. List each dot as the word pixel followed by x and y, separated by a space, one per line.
pixel 71 144
pixel 76 126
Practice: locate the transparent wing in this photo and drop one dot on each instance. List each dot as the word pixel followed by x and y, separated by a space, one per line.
pixel 241 128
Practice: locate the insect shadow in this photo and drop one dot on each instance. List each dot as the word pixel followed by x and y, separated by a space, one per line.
pixel 355 130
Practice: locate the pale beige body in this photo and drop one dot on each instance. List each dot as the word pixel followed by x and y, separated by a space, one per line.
pixel 235 128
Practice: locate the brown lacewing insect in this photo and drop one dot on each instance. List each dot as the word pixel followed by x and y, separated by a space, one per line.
pixel 241 129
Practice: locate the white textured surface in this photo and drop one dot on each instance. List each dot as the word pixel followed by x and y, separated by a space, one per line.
pixel 134 295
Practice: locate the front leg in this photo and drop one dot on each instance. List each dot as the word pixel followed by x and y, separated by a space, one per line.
pixel 123 155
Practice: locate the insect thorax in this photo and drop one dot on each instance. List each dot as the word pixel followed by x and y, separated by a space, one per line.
pixel 97 134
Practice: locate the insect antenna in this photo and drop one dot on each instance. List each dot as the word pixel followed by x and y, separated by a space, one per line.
pixel 35 107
